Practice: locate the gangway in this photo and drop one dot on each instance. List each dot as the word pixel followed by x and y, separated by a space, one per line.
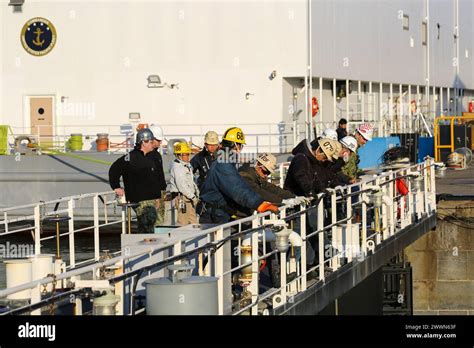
pixel 363 225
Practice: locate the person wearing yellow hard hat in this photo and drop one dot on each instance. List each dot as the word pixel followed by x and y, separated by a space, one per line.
pixel 182 187
pixel 202 161
pixel 224 189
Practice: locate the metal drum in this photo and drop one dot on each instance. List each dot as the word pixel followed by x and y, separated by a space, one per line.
pixel 18 272
pixel 189 296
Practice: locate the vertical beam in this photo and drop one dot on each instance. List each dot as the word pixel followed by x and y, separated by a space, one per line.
pixel 335 241
pixel 347 101
pixel 390 108
pixel 409 113
pixel 320 237
pixel 72 251
pixel 371 103
pixel 441 97
pixel 381 130
pixel 334 118
pixel 349 241
pixel 361 100
pixel 303 247
pixel 364 199
pixel 254 283
pixel 37 229
pixel 320 104
pixel 96 227
pixel 400 122
pixel 219 267
pixel 392 210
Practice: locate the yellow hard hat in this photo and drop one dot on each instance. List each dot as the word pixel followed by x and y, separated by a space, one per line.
pixel 181 147
pixel 235 135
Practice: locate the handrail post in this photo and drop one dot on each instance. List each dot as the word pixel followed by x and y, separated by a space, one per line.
pixel 254 284
pixel 96 227
pixel 219 270
pixel 391 208
pixel 349 240
pixel 364 198
pixel 72 253
pixel 37 229
pixel 303 248
pixel 335 239
pixel 321 238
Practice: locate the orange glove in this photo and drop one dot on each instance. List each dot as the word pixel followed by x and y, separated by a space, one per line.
pixel 267 206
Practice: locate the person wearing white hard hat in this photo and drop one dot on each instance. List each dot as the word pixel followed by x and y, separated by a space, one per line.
pixel 202 161
pixel 155 156
pixel 329 133
pixel 256 176
pixel 348 147
pixel 362 134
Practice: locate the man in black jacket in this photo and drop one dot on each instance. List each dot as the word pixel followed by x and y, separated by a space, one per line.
pixel 139 179
pixel 155 156
pixel 341 129
pixel 202 161
pixel 307 176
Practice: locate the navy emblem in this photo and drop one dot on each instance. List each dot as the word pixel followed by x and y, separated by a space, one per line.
pixel 38 36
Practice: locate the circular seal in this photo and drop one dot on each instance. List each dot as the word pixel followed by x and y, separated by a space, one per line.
pixel 38 36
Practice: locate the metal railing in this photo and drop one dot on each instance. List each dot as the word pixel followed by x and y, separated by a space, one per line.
pixel 359 218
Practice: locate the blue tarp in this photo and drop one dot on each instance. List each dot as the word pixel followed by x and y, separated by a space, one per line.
pixel 425 148
pixel 371 152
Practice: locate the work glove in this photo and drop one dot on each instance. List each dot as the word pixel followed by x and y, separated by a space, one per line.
pixel 290 202
pixel 195 201
pixel 267 206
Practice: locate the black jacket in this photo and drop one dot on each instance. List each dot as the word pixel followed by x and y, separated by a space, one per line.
pixel 155 156
pixel 341 133
pixel 269 192
pixel 306 175
pixel 201 163
pixel 139 176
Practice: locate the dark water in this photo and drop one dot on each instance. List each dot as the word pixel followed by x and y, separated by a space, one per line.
pixel 84 245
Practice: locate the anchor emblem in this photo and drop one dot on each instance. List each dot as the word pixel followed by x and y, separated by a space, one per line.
pixel 37 40
pixel 38 36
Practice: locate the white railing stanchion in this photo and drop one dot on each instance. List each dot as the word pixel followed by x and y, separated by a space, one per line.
pixel 95 201
pixel 72 246
pixel 303 247
pixel 391 209
pixel 335 239
pixel 37 217
pixel 219 270
pixel 364 199
pixel 255 266
pixel 349 241
pixel 320 237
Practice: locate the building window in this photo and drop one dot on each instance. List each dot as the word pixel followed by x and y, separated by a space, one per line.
pixel 406 22
pixel 424 33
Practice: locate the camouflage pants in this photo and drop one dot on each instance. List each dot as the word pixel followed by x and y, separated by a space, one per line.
pixel 160 211
pixel 146 216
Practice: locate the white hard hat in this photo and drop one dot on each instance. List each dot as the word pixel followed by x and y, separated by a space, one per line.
pixel 366 130
pixel 211 138
pixel 349 142
pixel 268 161
pixel 157 132
pixel 329 133
pixel 331 148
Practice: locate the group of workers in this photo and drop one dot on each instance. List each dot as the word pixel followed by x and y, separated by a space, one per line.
pixel 213 187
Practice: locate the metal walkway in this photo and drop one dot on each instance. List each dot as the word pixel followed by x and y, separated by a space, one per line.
pixel 355 230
